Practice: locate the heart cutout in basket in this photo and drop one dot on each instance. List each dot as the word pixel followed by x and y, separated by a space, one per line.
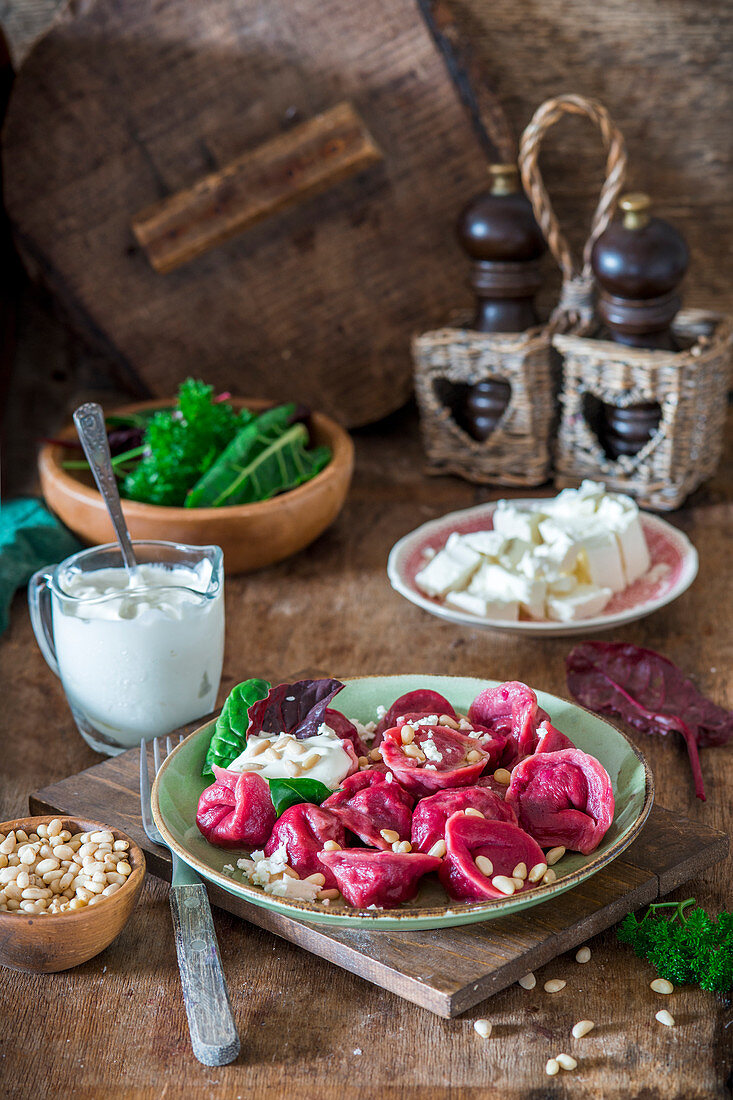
pixel 477 409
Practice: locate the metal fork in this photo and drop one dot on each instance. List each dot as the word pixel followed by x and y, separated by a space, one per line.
pixel 210 1022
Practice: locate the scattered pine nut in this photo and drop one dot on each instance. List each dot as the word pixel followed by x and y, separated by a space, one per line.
pixel 520 871
pixel 552 1067
pixel 473 756
pixel 554 855
pixel 554 985
pixel 363 761
pixel 503 884
pixel 583 955
pixel 661 985
pixel 402 846
pixel 485 866
pixel 332 846
pixel 528 981
pixel 518 882
pixel 549 877
pixel 327 895
pixel 390 835
pixel 375 755
pixel 501 775
pixel 665 1018
pixel 438 849
pixel 582 1028
pixel 317 879
pixel 446 720
pixel 483 1027
pixel 473 812
pixel 537 872
pixel 407 735
pixel 566 1061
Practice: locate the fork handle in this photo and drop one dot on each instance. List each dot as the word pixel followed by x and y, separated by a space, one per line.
pixel 213 1034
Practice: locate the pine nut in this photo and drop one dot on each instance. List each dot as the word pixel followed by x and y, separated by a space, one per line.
pixel 519 883
pixel 124 868
pixel 661 985
pixel 503 884
pixel 289 871
pixel 554 985
pixel 121 846
pixel 414 751
pixel 501 775
pixel 54 827
pixel 363 761
pixel 327 895
pixel 331 846
pixel 317 879
pixel 260 746
pixel 473 812
pixel 446 720
pixel 35 893
pixel 549 877
pixel 42 830
pixel 483 1027
pixel 113 876
pixel 13 892
pixel 8 845
pixel 665 1018
pixel 63 851
pixel 474 756
pixel 87 849
pixel 375 755
pixel 102 836
pixel 554 855
pixel 77 903
pixel 582 1028
pixel 528 981
pixel 520 871
pixel 30 906
pixel 96 899
pixel 537 872
pixel 110 890
pixel 438 849
pixel 583 956
pixel 389 835
pixel 65 834
pixel 566 1061
pixel 83 894
pixel 402 846
pixel 99 876
pixel 13 905
pixel 23 880
pixel 485 866
pixel 27 855
pixel 47 865
pixel 21 836
pixel 552 1067
pixel 407 735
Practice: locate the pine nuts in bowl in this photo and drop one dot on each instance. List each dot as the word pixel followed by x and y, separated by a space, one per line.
pixel 67 889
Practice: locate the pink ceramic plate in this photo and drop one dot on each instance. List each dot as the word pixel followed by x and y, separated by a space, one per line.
pixel 674 568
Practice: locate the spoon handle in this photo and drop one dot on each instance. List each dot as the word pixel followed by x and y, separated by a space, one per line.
pixel 89 421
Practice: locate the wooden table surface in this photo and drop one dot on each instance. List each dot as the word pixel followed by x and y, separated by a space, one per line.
pixel 116 1026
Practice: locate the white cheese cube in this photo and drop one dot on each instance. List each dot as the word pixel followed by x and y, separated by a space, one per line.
pixel 599 560
pixel 450 569
pixel 497 583
pixel 506 610
pixel 585 602
pixel 517 521
pixel 488 543
pixel 574 503
pixel 621 515
pixel 561 553
pixel 514 552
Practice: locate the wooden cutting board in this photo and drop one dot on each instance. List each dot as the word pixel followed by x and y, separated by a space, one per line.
pixel 449 970
pixel 170 175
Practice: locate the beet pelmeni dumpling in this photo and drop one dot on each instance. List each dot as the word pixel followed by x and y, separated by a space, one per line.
pixel 563 798
pixel 436 758
pixel 303 830
pixel 236 811
pixel 431 814
pixel 383 879
pixel 413 705
pixel 510 709
pixel 503 843
pixel 369 802
pixel 551 740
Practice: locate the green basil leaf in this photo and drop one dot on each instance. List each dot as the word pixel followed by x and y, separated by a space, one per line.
pixel 290 792
pixel 230 733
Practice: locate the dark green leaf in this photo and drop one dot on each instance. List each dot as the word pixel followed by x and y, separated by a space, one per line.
pixel 230 733
pixel 290 792
pixel 268 456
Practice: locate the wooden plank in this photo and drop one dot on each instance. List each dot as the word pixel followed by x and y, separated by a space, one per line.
pixel 279 173
pixel 446 974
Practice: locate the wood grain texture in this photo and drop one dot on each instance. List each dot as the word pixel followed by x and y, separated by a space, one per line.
pixel 280 173
pixel 125 105
pixel 330 610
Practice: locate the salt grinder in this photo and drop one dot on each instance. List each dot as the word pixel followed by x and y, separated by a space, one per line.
pixel 499 232
pixel 638 263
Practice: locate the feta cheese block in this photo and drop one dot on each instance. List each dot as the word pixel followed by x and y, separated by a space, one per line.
pixel 585 601
pixel 598 554
pixel 621 515
pixel 494 582
pixel 517 521
pixel 488 543
pixel 450 569
pixel 504 610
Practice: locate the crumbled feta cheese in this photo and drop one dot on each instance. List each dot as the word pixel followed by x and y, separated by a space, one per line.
pixel 268 872
pixel 381 712
pixel 431 750
pixel 365 731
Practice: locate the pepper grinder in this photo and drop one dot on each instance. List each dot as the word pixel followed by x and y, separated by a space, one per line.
pixel 638 263
pixel 499 232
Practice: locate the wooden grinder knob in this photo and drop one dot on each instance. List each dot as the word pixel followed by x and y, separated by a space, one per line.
pixel 498 231
pixel 638 263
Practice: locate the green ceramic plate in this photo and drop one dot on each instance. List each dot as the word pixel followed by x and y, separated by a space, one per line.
pixel 179 784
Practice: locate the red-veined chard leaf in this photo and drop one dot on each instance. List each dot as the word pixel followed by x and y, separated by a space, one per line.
pixel 298 709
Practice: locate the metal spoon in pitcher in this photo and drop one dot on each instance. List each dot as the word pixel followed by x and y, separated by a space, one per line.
pixel 89 421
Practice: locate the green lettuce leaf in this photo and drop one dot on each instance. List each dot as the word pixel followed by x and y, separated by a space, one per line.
pixel 230 733
pixel 267 456
pixel 290 792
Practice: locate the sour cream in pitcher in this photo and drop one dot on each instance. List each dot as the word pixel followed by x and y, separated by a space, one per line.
pixel 141 654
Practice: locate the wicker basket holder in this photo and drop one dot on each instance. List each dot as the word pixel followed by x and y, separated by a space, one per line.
pixel 690 386
pixel 519 450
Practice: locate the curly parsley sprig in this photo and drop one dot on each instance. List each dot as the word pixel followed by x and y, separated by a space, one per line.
pixel 688 946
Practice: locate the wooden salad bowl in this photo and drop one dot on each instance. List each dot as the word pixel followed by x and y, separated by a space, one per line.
pixel 251 535
pixel 45 945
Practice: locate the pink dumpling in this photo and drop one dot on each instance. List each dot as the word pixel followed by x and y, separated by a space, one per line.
pixel 551 740
pixel 236 811
pixel 511 709
pixel 303 830
pixel 346 730
pixel 503 842
pixel 431 814
pixel 385 879
pixel 445 762
pixel 368 802
pixel 563 798
pixel 413 705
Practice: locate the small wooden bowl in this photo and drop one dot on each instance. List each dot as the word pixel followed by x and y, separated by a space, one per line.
pixel 45 945
pixel 251 535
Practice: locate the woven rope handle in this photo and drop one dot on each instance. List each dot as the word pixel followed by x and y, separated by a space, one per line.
pixel 576 302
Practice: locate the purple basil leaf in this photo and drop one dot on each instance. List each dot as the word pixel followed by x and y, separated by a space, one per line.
pixel 124 439
pixel 648 692
pixel 297 708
